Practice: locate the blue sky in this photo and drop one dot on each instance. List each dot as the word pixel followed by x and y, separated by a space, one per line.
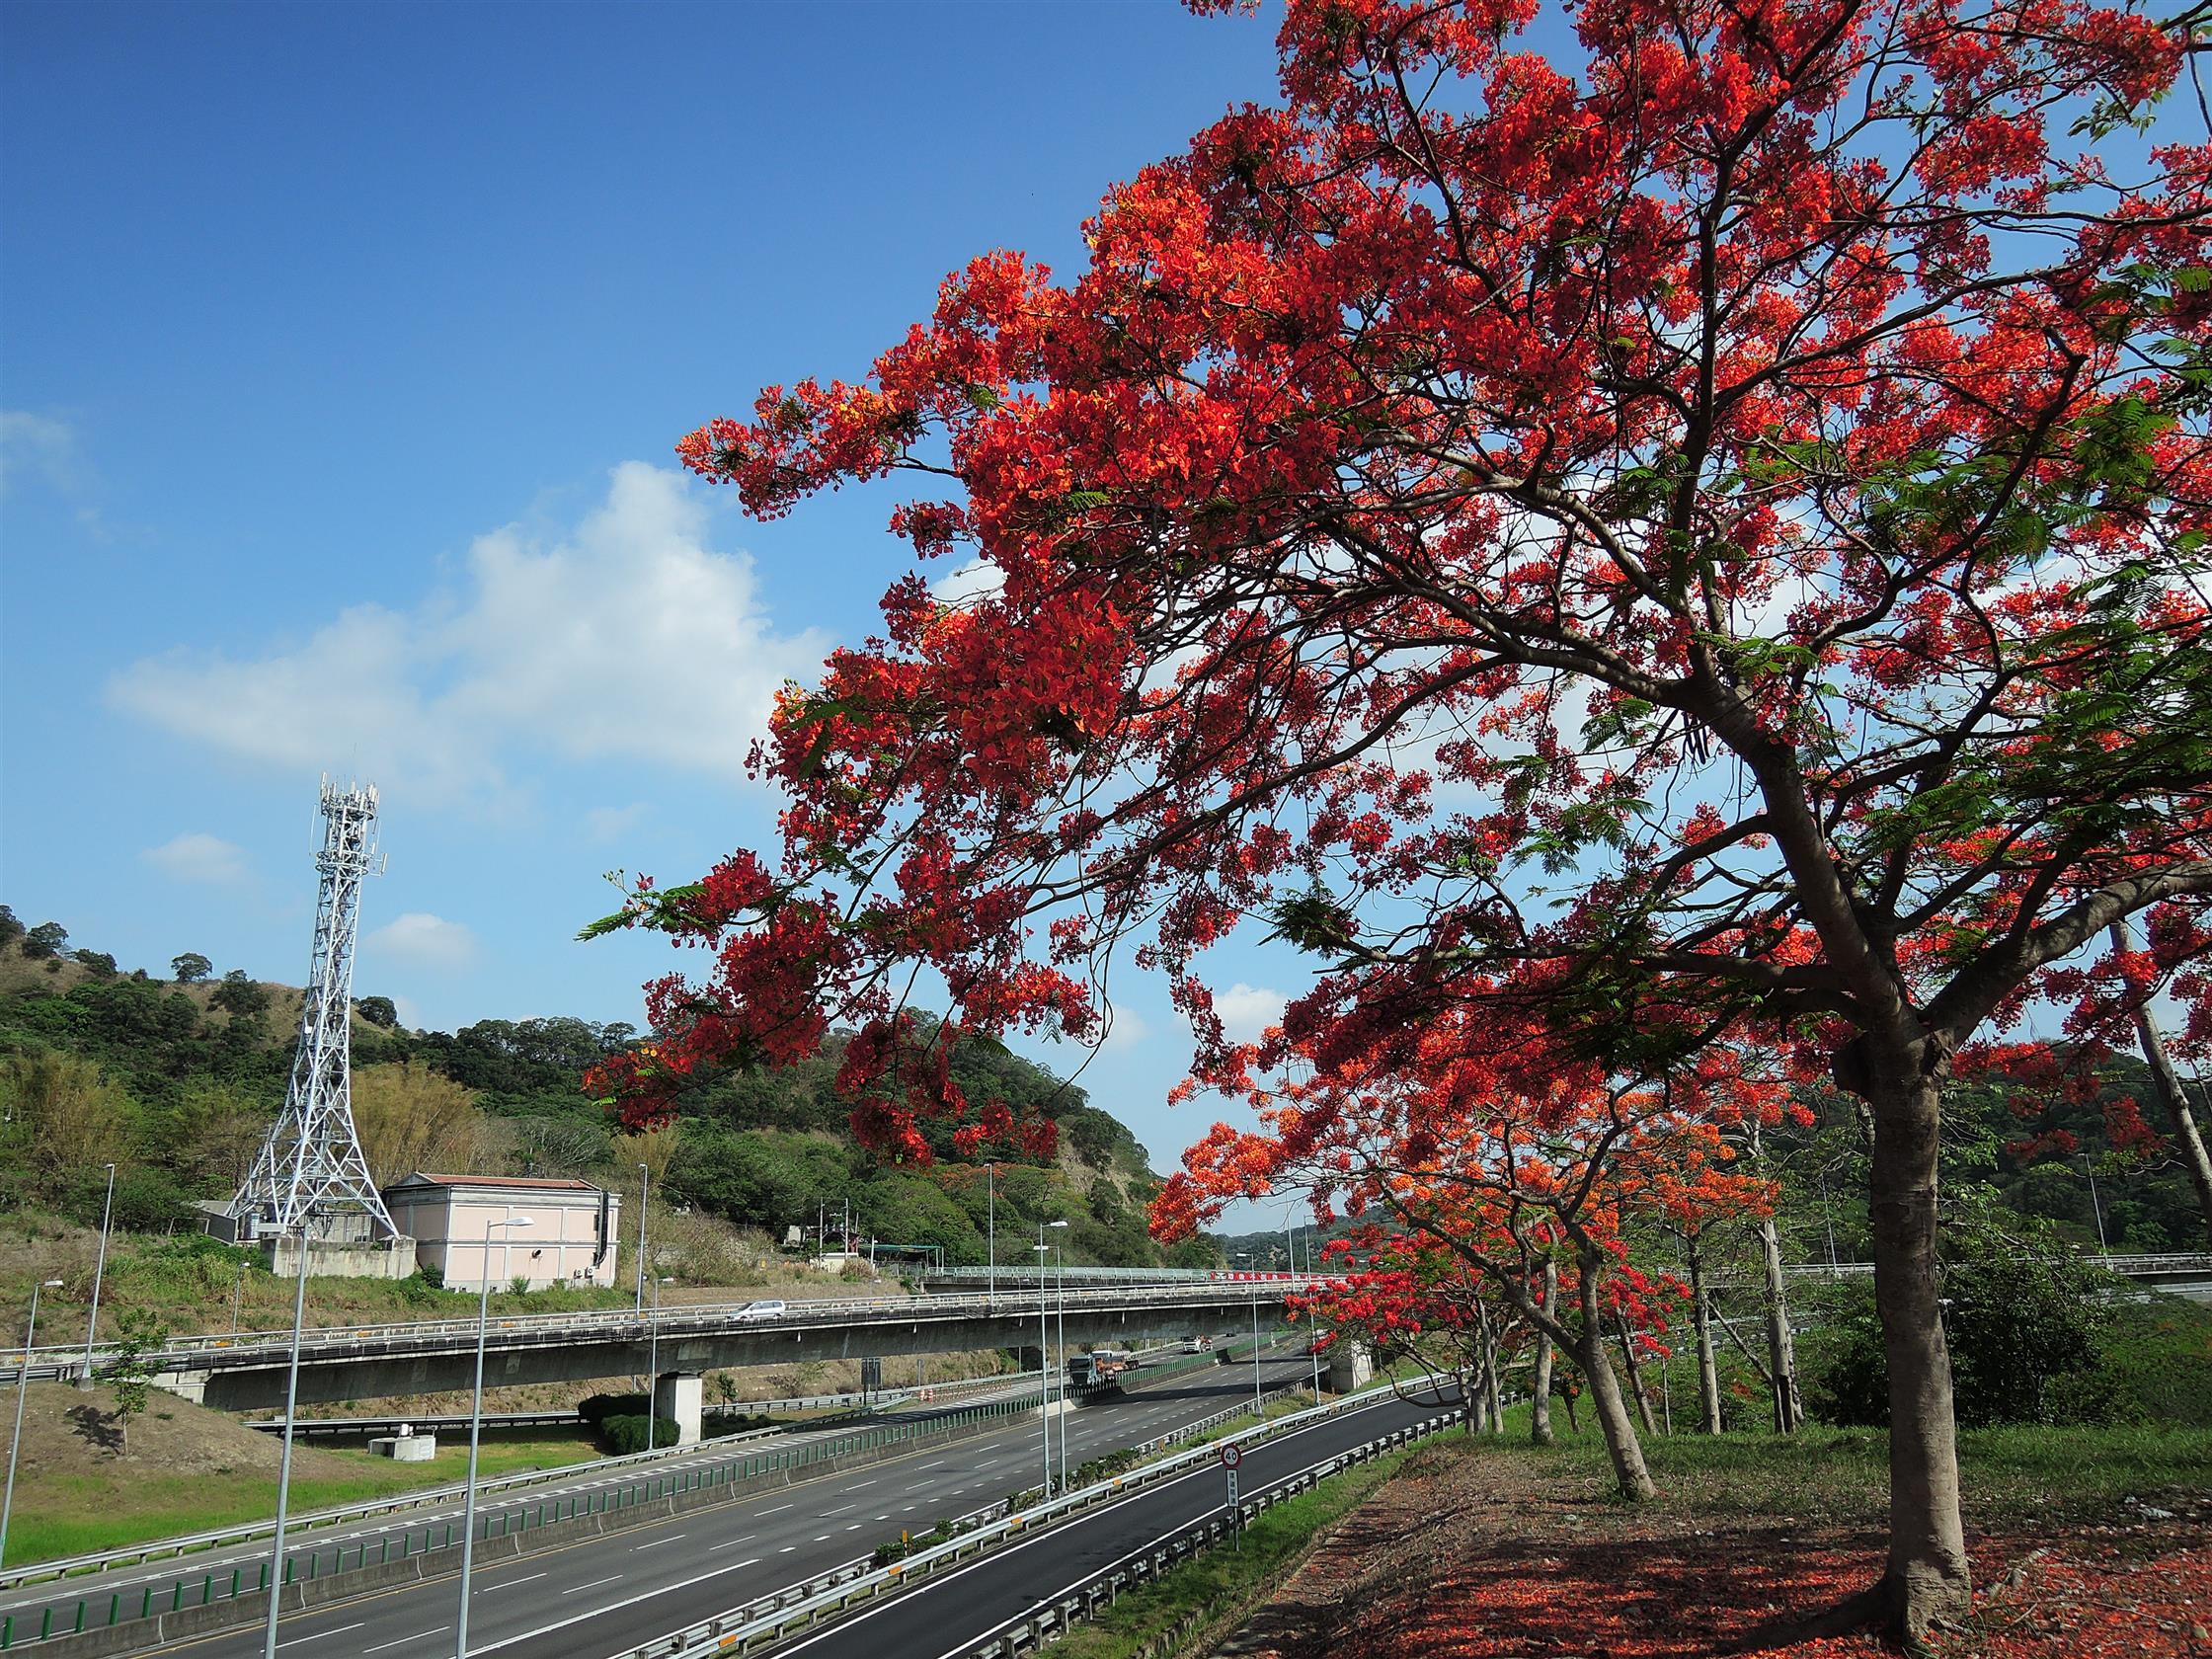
pixel 344 352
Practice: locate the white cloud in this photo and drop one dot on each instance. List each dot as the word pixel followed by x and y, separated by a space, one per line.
pixel 1125 1028
pixel 1245 1011
pixel 199 857
pixel 627 639
pixel 975 580
pixel 418 939
pixel 38 446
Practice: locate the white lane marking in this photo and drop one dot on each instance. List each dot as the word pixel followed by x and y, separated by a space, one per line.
pixel 732 1543
pixel 855 1527
pixel 417 1636
pixel 657 1543
pixel 593 1585
pixel 824 1538
pixel 787 1549
pixel 511 1583
pixel 840 1510
pixel 778 1508
pixel 595 1613
pixel 752 1562
pixel 319 1634
pixel 939 1463
pixel 857 1484
pixel 847 1626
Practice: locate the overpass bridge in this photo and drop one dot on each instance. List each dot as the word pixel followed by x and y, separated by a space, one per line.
pixel 677 1345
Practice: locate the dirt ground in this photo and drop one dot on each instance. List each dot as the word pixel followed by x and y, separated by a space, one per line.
pixel 1465 1557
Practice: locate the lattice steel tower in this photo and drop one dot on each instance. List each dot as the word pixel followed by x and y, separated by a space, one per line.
pixel 310 1169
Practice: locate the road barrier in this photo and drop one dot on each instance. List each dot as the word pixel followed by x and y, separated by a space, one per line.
pixel 410 1556
pixel 353 1427
pixel 1048 1622
pixel 556 1521
pixel 336 1344
pixel 754 1624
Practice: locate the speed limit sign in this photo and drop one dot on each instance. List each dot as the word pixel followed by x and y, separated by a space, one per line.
pixel 1231 1454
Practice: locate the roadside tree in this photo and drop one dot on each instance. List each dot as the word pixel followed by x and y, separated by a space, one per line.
pixel 1707 529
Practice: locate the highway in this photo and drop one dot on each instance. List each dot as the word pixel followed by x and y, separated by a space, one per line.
pixel 950 1615
pixel 609 1593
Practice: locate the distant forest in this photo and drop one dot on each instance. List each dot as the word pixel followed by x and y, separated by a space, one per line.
pixel 175 1081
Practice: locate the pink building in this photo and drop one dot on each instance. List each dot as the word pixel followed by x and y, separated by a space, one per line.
pixel 569 1239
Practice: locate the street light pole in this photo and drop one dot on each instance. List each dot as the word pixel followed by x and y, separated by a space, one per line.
pixel 653 1367
pixel 475 1432
pixel 22 1390
pixel 100 1267
pixel 1045 1358
pixel 645 1183
pixel 1060 1277
pixel 285 1463
pixel 1313 1335
pixel 1256 1408
pixel 2097 1207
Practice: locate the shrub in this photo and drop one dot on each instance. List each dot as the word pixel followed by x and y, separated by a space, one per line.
pixel 595 1409
pixel 2020 1319
pixel 625 1434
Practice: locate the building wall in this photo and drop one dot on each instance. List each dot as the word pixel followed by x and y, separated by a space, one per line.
pixel 452 1230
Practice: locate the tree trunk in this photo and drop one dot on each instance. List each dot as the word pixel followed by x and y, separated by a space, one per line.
pixel 1605 1402
pixel 1574 1423
pixel 2180 1118
pixel 1700 1320
pixel 1539 1396
pixel 1635 1378
pixel 1496 1392
pixel 1929 1576
pixel 1782 1343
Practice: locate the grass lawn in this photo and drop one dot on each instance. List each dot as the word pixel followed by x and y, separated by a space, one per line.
pixel 64 1512
pixel 1224 1580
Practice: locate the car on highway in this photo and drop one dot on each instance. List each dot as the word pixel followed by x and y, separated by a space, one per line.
pixel 754 1312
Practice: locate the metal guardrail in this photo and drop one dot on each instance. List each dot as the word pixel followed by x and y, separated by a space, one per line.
pixel 740 1629
pixel 308 1427
pixel 35 1572
pixel 1048 1622
pixel 745 1466
pixel 337 1343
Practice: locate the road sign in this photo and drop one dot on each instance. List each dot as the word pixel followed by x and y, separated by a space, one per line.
pixel 1231 1454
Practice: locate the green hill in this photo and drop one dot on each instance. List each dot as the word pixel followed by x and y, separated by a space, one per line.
pixel 175 1082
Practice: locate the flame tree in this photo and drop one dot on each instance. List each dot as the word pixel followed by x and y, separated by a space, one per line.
pixel 1711 517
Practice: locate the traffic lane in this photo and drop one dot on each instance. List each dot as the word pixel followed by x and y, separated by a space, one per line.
pixel 947 1617
pixel 631 1586
pixel 314 1553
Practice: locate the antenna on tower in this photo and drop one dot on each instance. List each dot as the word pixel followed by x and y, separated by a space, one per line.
pixel 310 1172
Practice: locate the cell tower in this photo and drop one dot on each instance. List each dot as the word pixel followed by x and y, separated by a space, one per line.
pixel 310 1170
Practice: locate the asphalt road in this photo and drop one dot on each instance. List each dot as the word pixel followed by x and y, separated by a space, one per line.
pixel 599 1597
pixel 951 1615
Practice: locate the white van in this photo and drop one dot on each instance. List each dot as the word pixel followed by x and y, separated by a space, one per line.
pixel 752 1311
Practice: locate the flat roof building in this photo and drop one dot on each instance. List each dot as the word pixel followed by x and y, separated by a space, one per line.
pixel 569 1239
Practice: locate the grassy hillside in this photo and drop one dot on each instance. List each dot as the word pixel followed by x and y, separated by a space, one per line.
pixel 175 1083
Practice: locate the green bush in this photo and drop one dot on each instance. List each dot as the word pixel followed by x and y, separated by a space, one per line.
pixel 625 1434
pixel 2021 1318
pixel 595 1409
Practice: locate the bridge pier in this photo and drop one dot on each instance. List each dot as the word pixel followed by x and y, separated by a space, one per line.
pixel 1351 1366
pixel 677 1396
